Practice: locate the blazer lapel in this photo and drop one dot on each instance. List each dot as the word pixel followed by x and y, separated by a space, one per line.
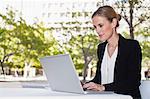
pixel 119 55
pixel 102 50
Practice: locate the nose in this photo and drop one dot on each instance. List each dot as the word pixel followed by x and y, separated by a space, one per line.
pixel 98 30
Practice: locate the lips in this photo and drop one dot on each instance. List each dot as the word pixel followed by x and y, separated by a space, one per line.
pixel 101 34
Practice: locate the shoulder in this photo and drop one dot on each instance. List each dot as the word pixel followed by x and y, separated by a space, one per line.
pixel 129 42
pixel 101 45
pixel 101 49
pixel 133 43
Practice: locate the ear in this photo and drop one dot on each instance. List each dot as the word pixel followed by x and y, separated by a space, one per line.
pixel 114 23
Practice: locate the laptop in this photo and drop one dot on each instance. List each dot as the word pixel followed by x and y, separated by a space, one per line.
pixel 61 74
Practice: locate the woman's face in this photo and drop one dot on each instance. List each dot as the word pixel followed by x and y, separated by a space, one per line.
pixel 103 26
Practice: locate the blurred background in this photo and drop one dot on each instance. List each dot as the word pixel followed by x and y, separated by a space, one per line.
pixel 30 29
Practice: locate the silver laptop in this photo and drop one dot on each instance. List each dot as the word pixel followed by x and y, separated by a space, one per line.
pixel 61 74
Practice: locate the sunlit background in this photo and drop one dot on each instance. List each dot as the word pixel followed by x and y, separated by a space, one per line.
pixel 30 29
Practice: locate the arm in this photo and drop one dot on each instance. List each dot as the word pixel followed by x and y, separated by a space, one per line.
pixel 134 67
pixel 97 78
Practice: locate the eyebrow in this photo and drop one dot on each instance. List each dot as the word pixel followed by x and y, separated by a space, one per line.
pixel 98 25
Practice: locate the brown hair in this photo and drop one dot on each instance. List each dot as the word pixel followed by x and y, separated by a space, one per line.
pixel 108 12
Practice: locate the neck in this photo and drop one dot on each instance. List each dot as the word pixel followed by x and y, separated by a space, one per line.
pixel 113 40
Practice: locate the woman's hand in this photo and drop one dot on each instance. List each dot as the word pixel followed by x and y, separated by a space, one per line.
pixel 94 86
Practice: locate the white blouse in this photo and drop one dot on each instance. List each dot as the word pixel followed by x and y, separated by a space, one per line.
pixel 108 65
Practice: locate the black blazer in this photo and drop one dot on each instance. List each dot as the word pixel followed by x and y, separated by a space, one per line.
pixel 127 71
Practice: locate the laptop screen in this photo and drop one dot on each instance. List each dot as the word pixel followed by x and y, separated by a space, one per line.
pixel 61 74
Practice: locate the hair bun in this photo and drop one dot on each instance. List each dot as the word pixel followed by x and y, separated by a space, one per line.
pixel 118 17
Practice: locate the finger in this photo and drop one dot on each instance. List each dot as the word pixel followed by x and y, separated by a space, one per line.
pixel 95 87
pixel 92 86
pixel 86 85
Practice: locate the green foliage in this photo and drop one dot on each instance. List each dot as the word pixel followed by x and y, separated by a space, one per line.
pixel 28 43
pixel 135 13
pixel 144 37
pixel 83 48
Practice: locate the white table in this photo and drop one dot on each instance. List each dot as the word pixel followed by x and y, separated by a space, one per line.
pixel 46 93
pixel 41 93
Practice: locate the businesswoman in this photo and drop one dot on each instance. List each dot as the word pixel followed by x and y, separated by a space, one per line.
pixel 119 59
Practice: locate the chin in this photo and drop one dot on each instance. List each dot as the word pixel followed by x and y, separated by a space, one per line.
pixel 102 39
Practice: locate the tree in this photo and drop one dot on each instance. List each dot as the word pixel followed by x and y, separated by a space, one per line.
pixel 83 47
pixel 7 43
pixel 145 44
pixel 135 12
pixel 25 42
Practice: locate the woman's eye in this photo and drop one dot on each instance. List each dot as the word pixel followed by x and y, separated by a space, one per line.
pixel 94 27
pixel 100 25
